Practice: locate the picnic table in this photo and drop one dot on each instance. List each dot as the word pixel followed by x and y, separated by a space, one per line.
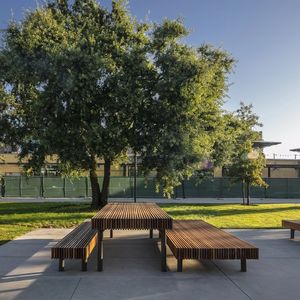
pixel 132 216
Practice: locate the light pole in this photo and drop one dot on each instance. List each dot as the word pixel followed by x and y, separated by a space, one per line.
pixel 134 180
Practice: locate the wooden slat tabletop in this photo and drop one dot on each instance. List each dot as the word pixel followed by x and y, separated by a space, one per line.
pixel 131 216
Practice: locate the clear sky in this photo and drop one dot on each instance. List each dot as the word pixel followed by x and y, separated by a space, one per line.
pixel 262 35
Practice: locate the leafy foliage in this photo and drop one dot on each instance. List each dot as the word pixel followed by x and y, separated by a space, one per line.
pixel 87 82
pixel 245 163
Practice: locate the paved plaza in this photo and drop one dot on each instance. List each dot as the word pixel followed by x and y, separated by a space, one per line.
pixel 132 270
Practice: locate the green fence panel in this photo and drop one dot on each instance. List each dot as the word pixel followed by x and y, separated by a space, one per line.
pixel 12 186
pixel 294 187
pixel 31 186
pixel 257 192
pixel 120 187
pixel 230 188
pixel 53 187
pixel 278 188
pixel 146 188
pixel 193 188
pixel 75 187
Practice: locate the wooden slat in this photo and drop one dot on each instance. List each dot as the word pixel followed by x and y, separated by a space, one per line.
pixel 199 240
pixel 79 243
pixel 131 216
pixel 291 224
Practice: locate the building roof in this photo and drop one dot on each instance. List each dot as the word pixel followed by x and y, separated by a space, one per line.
pixel 264 144
pixel 295 150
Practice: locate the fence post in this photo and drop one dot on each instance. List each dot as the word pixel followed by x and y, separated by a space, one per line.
pixel 183 188
pixel 64 187
pixel 2 187
pixel 86 187
pixel 42 187
pixel 221 187
pixel 20 186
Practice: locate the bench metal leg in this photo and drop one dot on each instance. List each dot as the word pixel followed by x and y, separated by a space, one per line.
pixel 111 234
pixel 179 264
pixel 61 265
pixel 243 265
pixel 100 251
pixel 84 265
pixel 151 234
pixel 163 251
pixel 292 233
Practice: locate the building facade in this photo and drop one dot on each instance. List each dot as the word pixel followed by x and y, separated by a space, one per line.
pixel 10 166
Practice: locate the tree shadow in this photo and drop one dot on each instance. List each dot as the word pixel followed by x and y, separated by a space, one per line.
pixel 25 208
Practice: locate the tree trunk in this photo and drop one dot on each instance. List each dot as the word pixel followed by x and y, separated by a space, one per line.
pixel 248 193
pixel 243 190
pixel 105 184
pixel 94 184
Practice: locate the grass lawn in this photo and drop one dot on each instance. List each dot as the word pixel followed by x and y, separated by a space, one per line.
pixel 19 218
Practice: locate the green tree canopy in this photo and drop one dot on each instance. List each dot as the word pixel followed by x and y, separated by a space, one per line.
pixel 244 162
pixel 85 82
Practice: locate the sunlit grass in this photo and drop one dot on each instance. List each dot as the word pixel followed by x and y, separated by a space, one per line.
pixel 236 215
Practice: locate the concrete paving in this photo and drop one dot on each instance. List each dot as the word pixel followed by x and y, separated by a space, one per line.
pixel 155 200
pixel 132 270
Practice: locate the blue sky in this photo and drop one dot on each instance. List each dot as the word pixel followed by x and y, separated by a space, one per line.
pixel 262 35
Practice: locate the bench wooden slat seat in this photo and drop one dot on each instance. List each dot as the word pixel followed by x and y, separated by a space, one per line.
pixel 292 225
pixel 78 244
pixel 196 239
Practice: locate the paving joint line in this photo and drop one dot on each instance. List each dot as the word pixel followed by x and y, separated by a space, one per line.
pixel 75 288
pixel 234 283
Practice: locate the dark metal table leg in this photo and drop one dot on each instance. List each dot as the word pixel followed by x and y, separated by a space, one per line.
pixel 292 233
pixel 163 251
pixel 100 251
pixel 179 264
pixel 61 265
pixel 243 265
pixel 151 234
pixel 84 265
pixel 111 233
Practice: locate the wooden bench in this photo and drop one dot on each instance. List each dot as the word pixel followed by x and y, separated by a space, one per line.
pixel 199 240
pixel 291 224
pixel 78 244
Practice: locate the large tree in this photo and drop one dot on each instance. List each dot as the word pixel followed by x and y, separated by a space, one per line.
pixel 85 83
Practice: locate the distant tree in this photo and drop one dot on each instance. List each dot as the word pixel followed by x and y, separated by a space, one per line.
pixel 245 163
pixel 88 83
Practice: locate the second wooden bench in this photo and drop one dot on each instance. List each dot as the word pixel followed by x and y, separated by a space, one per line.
pixel 197 239
pixel 292 225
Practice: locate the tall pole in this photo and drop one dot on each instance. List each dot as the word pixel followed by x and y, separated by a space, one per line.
pixel 135 171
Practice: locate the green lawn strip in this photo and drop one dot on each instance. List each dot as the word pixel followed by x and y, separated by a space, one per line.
pixel 236 215
pixel 19 218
